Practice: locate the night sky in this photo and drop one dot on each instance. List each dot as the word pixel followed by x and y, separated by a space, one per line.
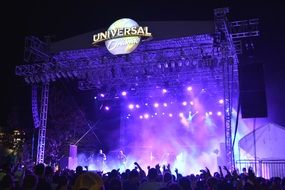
pixel 63 19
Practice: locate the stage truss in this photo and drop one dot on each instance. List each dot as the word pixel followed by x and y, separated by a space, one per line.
pixel 211 58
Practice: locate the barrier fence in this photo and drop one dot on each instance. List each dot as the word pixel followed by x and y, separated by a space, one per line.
pixel 263 168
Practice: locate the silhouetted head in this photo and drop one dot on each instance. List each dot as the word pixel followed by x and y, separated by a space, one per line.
pixel 79 169
pixel 152 174
pixel 167 177
pixel 88 180
pixel 30 182
pixel 39 169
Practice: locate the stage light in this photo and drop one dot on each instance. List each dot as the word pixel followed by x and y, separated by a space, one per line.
pixel 141 116
pixel 221 101
pixel 102 95
pixel 172 63
pixel 107 108
pixel 187 62
pixel 166 65
pixel 219 113
pixel 170 115
pixel 155 113
pixel 124 93
pixel 191 103
pixel 184 103
pixel 146 104
pixel 95 97
pixel 165 104
pixel 181 114
pixel 137 106
pixel 131 106
pixel 189 88
pixel 210 113
pixel 164 91
pixel 146 116
pixel 156 105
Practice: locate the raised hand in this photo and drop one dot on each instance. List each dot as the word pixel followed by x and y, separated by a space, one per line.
pixel 168 166
pixel 208 171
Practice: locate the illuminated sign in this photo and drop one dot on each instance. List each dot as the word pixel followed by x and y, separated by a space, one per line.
pixel 122 37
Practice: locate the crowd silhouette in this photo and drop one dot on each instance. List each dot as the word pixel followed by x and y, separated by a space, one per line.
pixel 42 177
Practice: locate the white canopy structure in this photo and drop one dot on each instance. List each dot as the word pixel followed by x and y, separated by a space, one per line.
pixel 269 142
pixel 264 151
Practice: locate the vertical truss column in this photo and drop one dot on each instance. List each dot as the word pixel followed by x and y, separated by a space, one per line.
pixel 35 109
pixel 228 69
pixel 229 57
pixel 43 122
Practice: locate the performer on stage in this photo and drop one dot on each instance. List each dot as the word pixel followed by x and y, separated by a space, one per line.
pixel 101 158
pixel 122 159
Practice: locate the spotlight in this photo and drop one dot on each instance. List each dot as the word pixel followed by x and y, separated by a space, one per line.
pixel 165 104
pixel 219 113
pixel 221 101
pixel 210 113
pixel 146 116
pixel 141 116
pixel 189 88
pixel 102 95
pixel 191 103
pixel 137 106
pixel 146 104
pixel 95 97
pixel 181 114
pixel 156 105
pixel 124 93
pixel 131 106
pixel 164 91
pixel 170 115
pixel 155 113
pixel 107 108
pixel 184 103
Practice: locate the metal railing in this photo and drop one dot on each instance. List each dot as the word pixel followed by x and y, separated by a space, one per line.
pixel 264 168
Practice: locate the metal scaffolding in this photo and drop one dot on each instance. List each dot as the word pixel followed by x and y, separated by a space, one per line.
pixel 211 58
pixel 43 124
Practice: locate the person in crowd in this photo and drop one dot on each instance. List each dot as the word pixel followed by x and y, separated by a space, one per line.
pixel 43 184
pixel 30 182
pixel 89 181
pixel 151 183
